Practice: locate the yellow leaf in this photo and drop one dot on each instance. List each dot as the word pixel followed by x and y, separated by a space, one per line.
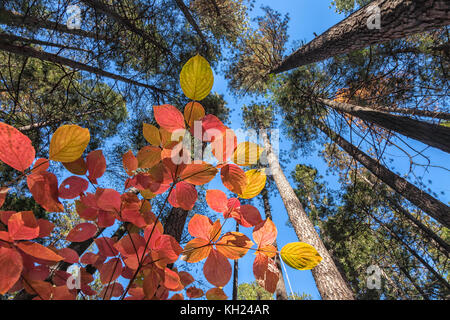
pixel 151 134
pixel 196 78
pixel 301 256
pixel 256 180
pixel 247 153
pixel 68 143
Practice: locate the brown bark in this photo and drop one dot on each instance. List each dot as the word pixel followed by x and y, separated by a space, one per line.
pixel 174 223
pixel 399 18
pixel 280 291
pixel 329 281
pixel 235 274
pixel 430 205
pixel 46 56
pixel 431 134
pixel 15 19
pixel 415 112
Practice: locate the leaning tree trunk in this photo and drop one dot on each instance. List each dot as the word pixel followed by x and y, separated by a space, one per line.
pixel 329 281
pixel 432 206
pixel 431 134
pixel 399 18
pixel 280 291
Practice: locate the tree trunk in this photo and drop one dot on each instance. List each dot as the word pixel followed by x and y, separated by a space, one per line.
pixel 329 281
pixel 15 19
pixel 235 274
pixel 280 291
pixel 399 18
pixel 415 112
pixel 46 56
pixel 413 252
pixel 433 207
pixel 174 224
pixel 431 134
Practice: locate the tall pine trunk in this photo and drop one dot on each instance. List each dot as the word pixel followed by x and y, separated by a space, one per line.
pixel 432 206
pixel 398 19
pixel 431 134
pixel 280 291
pixel 330 283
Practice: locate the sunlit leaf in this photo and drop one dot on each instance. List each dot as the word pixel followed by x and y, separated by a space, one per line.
pixel 82 232
pixel 148 156
pixel 217 269
pixel 23 226
pixel 68 143
pixel 38 251
pixel 301 256
pixel 169 117
pixel 196 78
pixel 198 174
pixel 256 180
pixel 196 250
pixel 247 153
pixel 43 185
pixel 193 111
pixel 216 294
pixel 129 162
pixel 11 268
pixel 233 178
pixel 151 134
pixel 234 245
pixel 96 164
pixel 265 233
pixel 217 200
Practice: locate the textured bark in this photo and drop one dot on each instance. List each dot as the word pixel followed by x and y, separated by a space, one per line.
pixel 426 232
pixel 15 19
pixel 415 112
pixel 280 291
pixel 399 18
pixel 46 56
pixel 430 205
pixel 329 281
pixel 174 224
pixel 431 134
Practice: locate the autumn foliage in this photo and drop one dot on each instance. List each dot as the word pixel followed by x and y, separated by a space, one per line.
pixel 143 257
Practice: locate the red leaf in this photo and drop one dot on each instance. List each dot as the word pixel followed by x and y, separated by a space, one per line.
pixel 82 232
pixel 185 278
pixel 233 178
pixel 105 247
pixel 250 216
pixel 186 195
pixel 172 280
pixel 96 165
pixel 69 255
pixel 110 271
pixel 43 186
pixel 167 250
pixel 11 268
pixel 217 200
pixel 23 226
pixel 45 228
pixel 16 149
pixel 265 233
pixel 150 284
pixel 168 117
pixel 38 251
pixel 212 128
pixel 265 272
pixel 77 167
pixel 72 187
pixel 130 162
pixel 108 199
pixel 41 164
pixel 128 245
pixel 200 226
pixel 217 269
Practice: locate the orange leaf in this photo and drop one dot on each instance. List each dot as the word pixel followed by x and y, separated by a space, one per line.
pixel 169 117
pixel 217 269
pixel 82 232
pixel 45 228
pixel 108 199
pixel 217 200
pixel 199 226
pixel 43 186
pixel 198 174
pixel 196 250
pixel 223 147
pixel 216 294
pixel 193 111
pixel 148 157
pixel 11 268
pixel 16 149
pixel 233 178
pixel 186 195
pixel 185 278
pixel 234 245
pixel 23 226
pixel 265 272
pixel 265 233
pixel 38 251
pixel 130 162
pixel 151 134
pixel 172 280
pixel 41 164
